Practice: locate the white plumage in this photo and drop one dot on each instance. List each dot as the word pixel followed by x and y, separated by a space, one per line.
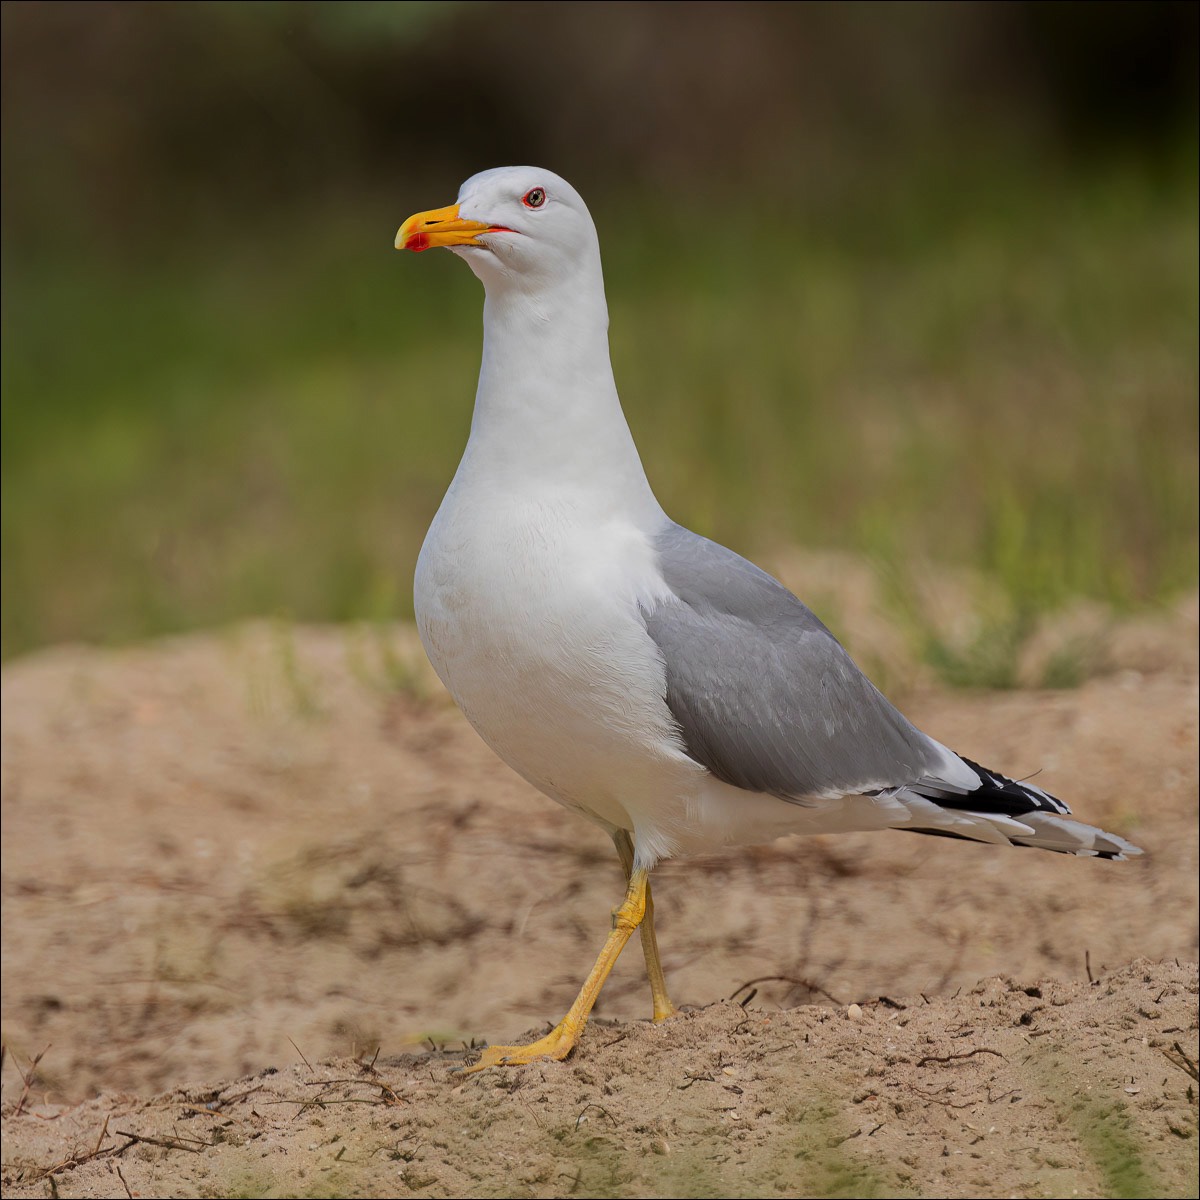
pixel 635 672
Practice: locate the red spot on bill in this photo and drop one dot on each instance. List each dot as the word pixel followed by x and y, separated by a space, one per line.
pixel 417 242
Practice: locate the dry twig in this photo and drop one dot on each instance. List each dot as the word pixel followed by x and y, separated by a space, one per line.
pixel 301 1053
pixel 794 980
pixel 1177 1057
pixel 27 1079
pixel 121 1177
pixel 948 1058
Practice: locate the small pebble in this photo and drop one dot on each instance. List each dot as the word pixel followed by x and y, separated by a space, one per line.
pixel 854 1012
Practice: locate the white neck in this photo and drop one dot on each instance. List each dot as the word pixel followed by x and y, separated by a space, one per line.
pixel 547 414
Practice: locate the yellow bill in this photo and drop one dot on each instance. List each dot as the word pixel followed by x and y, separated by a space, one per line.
pixel 442 227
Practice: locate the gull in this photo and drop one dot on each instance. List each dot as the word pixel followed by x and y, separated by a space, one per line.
pixel 637 673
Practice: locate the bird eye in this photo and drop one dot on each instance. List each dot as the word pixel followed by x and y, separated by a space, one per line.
pixel 534 198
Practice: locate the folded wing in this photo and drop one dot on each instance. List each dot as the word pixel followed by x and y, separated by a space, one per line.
pixel 769 701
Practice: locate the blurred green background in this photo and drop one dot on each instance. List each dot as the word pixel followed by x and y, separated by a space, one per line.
pixel 913 279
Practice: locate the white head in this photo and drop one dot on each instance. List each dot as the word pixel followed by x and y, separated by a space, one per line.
pixel 517 227
pixel 546 407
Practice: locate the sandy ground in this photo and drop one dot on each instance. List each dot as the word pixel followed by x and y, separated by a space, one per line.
pixel 240 868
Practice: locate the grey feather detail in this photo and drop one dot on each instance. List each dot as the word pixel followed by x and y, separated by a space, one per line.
pixel 764 695
pixel 1052 832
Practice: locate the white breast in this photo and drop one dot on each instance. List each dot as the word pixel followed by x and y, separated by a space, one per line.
pixel 527 606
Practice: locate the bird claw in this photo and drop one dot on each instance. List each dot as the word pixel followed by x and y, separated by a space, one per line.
pixel 556 1045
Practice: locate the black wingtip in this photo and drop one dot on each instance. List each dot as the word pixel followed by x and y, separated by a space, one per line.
pixel 997 793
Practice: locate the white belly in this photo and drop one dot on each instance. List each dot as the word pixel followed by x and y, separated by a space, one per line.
pixel 531 621
pixel 530 616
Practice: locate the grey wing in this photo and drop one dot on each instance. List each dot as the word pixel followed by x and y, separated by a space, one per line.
pixel 765 696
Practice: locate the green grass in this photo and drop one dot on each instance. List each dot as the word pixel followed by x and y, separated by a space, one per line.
pixel 997 371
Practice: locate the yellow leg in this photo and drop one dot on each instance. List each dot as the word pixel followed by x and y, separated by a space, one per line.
pixel 559 1042
pixel 663 1008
